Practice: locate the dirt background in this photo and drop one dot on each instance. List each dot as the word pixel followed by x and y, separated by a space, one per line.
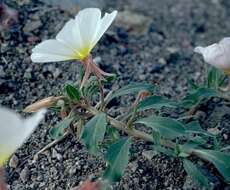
pixel 151 40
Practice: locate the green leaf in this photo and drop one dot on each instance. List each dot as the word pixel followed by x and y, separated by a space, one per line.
pixel 132 89
pixel 194 127
pixel 57 131
pixel 156 138
pixel 91 87
pixel 112 133
pixel 167 127
pixel 110 79
pixel 155 102
pixel 94 132
pixel 225 148
pixel 72 92
pixel 166 151
pixel 192 85
pixel 188 147
pixel 199 140
pixel 117 158
pixel 195 173
pixel 213 78
pixel 219 159
pixel 197 95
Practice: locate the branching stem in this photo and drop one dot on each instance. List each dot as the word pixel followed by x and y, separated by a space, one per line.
pixel 139 134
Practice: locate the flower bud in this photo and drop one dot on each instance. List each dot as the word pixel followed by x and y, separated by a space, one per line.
pixel 44 103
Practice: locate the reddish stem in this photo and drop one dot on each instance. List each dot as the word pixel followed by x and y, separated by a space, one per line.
pixel 91 67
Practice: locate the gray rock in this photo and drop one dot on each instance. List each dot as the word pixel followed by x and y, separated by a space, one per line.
pixel 56 155
pixel 32 25
pixel 24 175
pixel 56 73
pixel 72 6
pixel 133 22
pixel 2 72
pixel 149 154
pixel 13 163
pixel 189 184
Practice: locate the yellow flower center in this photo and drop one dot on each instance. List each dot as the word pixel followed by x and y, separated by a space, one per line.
pixel 4 155
pixel 3 158
pixel 83 53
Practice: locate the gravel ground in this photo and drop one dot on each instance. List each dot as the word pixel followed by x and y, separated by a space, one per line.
pixel 157 47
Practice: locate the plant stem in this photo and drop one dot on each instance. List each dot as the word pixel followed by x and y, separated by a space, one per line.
pixel 130 121
pixel 121 126
pixel 185 117
pixel 50 145
pixel 107 98
pixel 101 93
pixel 193 109
pixel 139 134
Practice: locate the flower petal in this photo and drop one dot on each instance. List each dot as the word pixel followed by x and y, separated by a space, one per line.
pixel 52 50
pixel 105 22
pixel 213 54
pixel 225 41
pixel 70 36
pixel 217 55
pixel 88 22
pixel 199 49
pixel 10 122
pixel 76 39
pixel 14 130
pixel 32 122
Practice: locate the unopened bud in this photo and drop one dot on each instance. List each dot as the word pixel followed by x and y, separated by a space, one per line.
pixel 44 103
pixel 60 103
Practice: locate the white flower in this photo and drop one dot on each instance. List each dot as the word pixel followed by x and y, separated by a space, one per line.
pixel 76 39
pixel 217 54
pixel 14 131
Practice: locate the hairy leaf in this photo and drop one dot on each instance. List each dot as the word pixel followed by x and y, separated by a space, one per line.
pixel 57 131
pixel 91 87
pixel 166 151
pixel 187 147
pixel 117 158
pixel 94 132
pixel 219 159
pixel 195 173
pixel 194 127
pixel 112 135
pixel 167 127
pixel 155 102
pixel 197 95
pixel 132 88
pixel 156 138
pixel 72 92
pixel 215 78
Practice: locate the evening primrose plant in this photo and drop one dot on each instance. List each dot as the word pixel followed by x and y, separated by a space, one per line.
pixel 85 108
